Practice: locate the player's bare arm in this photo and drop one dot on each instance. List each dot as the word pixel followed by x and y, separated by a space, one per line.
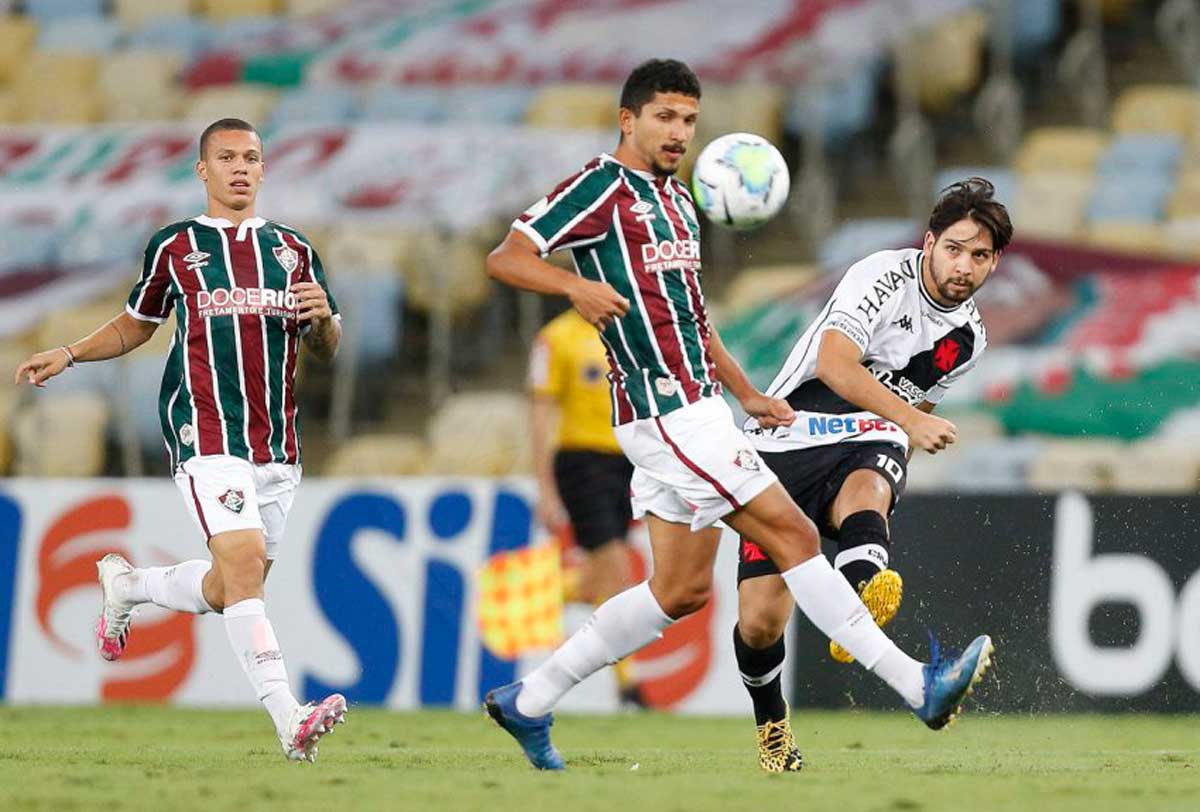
pixel 116 337
pixel 839 366
pixel 516 262
pixel 770 412
pixel 312 308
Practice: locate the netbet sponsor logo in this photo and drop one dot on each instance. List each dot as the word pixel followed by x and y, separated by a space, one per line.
pixel 246 302
pixel 671 255
pixel 827 426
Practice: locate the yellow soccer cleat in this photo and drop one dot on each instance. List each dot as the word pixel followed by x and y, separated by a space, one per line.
pixel 777 751
pixel 882 596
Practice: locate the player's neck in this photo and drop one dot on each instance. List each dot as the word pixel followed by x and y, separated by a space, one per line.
pixel 628 157
pixel 217 211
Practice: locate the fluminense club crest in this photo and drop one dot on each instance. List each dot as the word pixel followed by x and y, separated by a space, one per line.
pixel 232 500
pixel 746 460
pixel 287 257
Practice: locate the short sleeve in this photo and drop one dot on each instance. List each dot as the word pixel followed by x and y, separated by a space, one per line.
pixel 150 299
pixel 577 213
pixel 318 273
pixel 939 389
pixel 545 367
pixel 855 308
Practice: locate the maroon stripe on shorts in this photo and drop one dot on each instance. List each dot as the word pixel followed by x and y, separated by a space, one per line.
pixel 199 510
pixel 696 469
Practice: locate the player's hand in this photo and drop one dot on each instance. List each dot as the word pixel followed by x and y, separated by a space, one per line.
pixel 312 303
pixel 41 367
pixel 550 510
pixel 930 432
pixel 598 302
pixel 769 412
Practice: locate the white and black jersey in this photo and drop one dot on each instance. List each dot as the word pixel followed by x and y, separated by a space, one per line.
pixel 914 346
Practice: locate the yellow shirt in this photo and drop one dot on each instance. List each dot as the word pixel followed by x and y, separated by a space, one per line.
pixel 569 364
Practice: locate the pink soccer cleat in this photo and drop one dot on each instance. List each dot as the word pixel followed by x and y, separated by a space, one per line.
pixel 309 723
pixel 112 629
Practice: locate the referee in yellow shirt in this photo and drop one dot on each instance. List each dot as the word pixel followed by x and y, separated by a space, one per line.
pixel 582 475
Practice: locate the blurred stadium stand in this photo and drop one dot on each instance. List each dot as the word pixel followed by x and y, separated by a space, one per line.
pixel 1084 113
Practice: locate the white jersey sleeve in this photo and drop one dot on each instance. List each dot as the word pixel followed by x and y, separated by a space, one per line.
pixel 863 298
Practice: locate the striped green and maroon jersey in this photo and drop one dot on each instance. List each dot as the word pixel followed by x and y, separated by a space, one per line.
pixel 638 233
pixel 229 383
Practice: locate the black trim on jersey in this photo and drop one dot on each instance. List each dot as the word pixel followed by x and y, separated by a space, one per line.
pixel 814 395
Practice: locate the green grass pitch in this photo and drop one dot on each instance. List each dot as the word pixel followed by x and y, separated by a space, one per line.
pixel 166 759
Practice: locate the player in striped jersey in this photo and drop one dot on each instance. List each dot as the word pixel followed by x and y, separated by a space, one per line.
pixel 633 233
pixel 245 292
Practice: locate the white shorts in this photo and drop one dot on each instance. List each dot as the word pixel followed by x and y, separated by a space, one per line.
pixel 692 465
pixel 224 493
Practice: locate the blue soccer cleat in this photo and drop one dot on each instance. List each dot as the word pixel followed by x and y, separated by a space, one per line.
pixel 949 682
pixel 533 734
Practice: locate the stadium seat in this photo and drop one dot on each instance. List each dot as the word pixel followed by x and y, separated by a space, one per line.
pixel 1185 202
pixel 1182 236
pixel 994 464
pixel 755 286
pixel 379 455
pixel 134 14
pixel 60 435
pixel 1060 149
pixel 27 247
pixel 437 268
pixel 574 106
pixel 499 104
pixel 410 104
pixel 372 303
pixel 1130 197
pixel 1003 178
pixel 305 8
pixel 141 85
pixel 59 87
pixel 751 107
pixel 1035 24
pixel 1165 109
pixel 17 38
pixel 254 104
pixel 855 239
pixel 1052 204
pixel 1159 467
pixel 480 434
pixel 314 104
pixel 92 35
pixel 1088 465
pixel 46 10
pixel 10 107
pixel 188 35
pixel 233 9
pixel 844 106
pixel 236 33
pixel 1134 237
pixel 358 249
pixel 949 60
pixel 1141 153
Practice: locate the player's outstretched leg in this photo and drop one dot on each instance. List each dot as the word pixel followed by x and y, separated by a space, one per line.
pixel 532 733
pixel 178 587
pixel 863 557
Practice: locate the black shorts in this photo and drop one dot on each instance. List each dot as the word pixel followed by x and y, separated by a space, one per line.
pixel 813 477
pixel 594 487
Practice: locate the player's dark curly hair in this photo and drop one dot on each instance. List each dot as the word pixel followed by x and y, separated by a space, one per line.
pixel 225 124
pixel 972 198
pixel 658 76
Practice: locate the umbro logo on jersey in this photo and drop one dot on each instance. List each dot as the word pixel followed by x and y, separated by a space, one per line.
pixel 643 211
pixel 232 500
pixel 196 260
pixel 904 323
pixel 287 257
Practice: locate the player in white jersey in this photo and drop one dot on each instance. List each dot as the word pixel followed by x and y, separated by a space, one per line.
pixel 635 240
pixel 245 292
pixel 898 331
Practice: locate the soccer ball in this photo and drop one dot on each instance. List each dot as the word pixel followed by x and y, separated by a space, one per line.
pixel 740 181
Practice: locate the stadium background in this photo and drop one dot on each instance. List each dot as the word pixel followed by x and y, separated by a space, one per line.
pixel 403 137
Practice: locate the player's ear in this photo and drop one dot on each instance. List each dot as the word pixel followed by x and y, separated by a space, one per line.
pixel 929 241
pixel 201 171
pixel 625 118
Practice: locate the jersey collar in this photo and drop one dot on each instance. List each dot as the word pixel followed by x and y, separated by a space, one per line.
pixel 221 222
pixel 641 173
pixel 929 300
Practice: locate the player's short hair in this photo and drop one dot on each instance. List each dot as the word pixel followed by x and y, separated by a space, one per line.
pixel 974 199
pixel 225 124
pixel 658 76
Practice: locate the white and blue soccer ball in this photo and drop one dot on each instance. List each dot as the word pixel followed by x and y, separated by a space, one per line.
pixel 740 181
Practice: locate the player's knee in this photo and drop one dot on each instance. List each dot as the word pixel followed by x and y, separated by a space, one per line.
pixel 243 565
pixel 760 629
pixel 799 534
pixel 684 600
pixel 763 612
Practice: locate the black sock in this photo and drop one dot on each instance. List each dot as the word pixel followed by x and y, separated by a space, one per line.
pixel 862 547
pixel 755 665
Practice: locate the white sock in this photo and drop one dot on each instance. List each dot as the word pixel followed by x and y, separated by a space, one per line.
pixel 827 599
pixel 179 587
pixel 253 641
pixel 620 626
